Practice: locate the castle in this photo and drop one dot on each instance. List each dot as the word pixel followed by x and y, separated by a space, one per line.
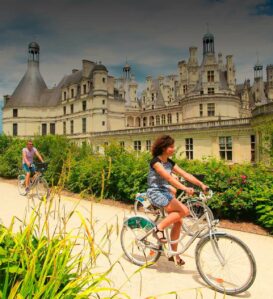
pixel 201 106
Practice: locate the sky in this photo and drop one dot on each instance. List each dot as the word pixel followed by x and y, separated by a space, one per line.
pixel 152 35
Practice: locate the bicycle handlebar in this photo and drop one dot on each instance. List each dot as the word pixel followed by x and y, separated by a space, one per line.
pixel 204 196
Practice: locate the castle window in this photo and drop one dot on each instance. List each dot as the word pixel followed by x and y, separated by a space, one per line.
pixel 138 122
pixel 72 127
pixel 152 121
pixel 210 76
pixel 148 145
pixel 137 145
pixel 44 130
pixel 122 144
pixel 84 125
pixel 52 128
pixel 189 148
pixel 253 145
pixel 103 123
pixel 103 111
pixel 185 88
pixel 157 120
pixel 71 108
pixel 103 80
pixel 211 109
pixel 15 129
pixel 144 121
pixel 169 118
pixel 64 128
pixel 163 119
pixel 64 108
pixel 225 148
pixel 201 92
pixel 15 112
pixel 84 105
pixel 210 90
pixel 72 93
pixel 177 117
pixel 64 95
pixel 201 109
pixel 84 88
pixel 103 102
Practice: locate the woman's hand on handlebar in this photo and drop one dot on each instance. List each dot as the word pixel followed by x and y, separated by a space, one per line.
pixel 189 191
pixel 205 188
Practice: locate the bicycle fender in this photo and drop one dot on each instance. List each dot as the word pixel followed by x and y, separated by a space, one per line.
pixel 139 222
pixel 208 235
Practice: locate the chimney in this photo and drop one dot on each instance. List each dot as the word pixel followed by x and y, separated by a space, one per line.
pixel 87 67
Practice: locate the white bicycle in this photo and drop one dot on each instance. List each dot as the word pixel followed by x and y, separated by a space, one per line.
pixel 223 261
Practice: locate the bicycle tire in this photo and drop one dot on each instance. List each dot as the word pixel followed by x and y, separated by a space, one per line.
pixel 139 252
pixel 196 211
pixel 242 261
pixel 42 189
pixel 21 184
pixel 151 212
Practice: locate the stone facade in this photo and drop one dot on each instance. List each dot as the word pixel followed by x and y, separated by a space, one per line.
pixel 201 106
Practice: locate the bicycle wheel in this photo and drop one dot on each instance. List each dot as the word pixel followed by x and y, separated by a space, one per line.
pixel 139 252
pixel 150 211
pixel 189 224
pixel 236 271
pixel 42 189
pixel 21 184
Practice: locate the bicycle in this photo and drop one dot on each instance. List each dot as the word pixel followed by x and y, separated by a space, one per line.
pixel 143 205
pixel 36 180
pixel 223 261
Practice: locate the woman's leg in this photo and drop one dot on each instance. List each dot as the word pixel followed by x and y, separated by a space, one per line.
pixel 176 211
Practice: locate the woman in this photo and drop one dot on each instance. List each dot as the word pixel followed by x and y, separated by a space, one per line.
pixel 161 190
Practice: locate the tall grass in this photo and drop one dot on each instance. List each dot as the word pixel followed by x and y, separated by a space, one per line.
pixel 44 256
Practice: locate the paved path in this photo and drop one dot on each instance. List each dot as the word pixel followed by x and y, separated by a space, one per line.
pixel 162 277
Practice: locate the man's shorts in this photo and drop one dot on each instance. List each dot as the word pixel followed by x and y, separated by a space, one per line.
pixel 160 197
pixel 28 169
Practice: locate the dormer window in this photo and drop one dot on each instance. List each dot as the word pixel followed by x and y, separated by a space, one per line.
pixel 84 88
pixel 64 95
pixel 72 93
pixel 210 76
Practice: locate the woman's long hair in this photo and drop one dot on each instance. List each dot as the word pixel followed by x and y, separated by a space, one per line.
pixel 160 144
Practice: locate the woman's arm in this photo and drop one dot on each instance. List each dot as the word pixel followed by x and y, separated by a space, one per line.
pixel 189 177
pixel 169 178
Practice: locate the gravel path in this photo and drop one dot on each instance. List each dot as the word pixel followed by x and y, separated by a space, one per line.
pixel 161 278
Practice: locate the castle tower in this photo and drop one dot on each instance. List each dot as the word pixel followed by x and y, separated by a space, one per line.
pixel 126 81
pixel 208 44
pixel 30 88
pixel 258 88
pixel 133 92
pixel 183 77
pixel 230 73
pixel 192 68
pixel 269 79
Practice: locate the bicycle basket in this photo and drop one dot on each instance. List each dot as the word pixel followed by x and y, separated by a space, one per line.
pixel 41 167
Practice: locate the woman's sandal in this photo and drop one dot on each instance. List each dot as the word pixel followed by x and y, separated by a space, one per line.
pixel 179 262
pixel 159 234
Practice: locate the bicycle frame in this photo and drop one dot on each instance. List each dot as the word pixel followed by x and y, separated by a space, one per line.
pixel 169 252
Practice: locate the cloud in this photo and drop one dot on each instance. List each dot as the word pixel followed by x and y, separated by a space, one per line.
pixel 154 35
